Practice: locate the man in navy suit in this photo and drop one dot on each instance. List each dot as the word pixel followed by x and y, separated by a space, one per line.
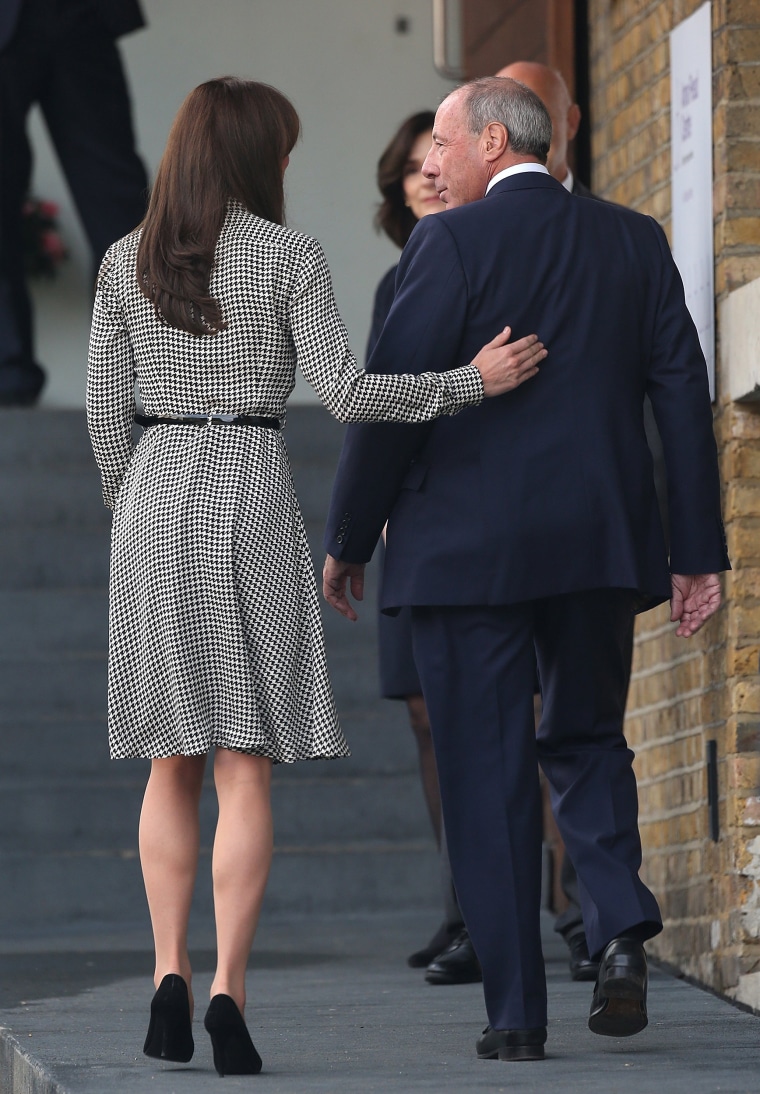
pixel 528 528
pixel 565 116
pixel 62 54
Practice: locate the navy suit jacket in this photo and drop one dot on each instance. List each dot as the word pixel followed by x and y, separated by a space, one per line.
pixel 119 16
pixel 548 489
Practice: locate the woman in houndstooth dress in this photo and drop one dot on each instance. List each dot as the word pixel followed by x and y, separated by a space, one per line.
pixel 215 632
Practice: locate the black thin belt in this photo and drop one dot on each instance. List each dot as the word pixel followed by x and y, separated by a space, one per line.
pixel 208 419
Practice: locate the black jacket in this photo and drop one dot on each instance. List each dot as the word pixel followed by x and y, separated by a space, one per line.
pixel 118 16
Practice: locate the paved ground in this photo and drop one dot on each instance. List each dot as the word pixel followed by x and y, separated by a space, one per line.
pixel 333 1008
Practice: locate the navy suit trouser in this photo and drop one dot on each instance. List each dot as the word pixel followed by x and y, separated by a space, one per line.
pixel 476 665
pixel 62 57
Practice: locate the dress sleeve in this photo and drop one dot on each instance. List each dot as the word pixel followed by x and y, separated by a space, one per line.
pixel 110 385
pixel 348 392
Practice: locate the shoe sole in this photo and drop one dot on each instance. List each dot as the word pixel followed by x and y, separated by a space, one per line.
pixel 533 1051
pixel 624 1011
pixel 514 1054
pixel 444 980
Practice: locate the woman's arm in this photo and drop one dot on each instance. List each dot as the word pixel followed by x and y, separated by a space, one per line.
pixel 353 395
pixel 110 386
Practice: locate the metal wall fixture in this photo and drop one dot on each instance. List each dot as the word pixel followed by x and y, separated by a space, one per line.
pixel 712 790
pixel 447 37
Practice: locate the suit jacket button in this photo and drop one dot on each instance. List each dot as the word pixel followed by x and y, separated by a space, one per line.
pixel 339 539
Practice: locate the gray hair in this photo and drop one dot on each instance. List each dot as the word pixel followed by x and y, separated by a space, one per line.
pixel 516 107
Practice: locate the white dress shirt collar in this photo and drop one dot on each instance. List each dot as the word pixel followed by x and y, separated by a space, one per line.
pixel 517 169
pixel 568 181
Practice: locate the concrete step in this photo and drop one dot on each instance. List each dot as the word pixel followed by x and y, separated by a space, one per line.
pixel 30 558
pixel 60 748
pixel 75 556
pixel 59 438
pixel 58 491
pixel 379 737
pixel 355 877
pixel 62 687
pixel 42 497
pixel 101 815
pixel 96 888
pixel 41 623
pixel 76 685
pixel 45 438
pixel 380 740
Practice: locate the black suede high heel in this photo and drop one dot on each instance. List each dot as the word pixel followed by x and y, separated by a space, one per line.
pixel 234 1051
pixel 170 1033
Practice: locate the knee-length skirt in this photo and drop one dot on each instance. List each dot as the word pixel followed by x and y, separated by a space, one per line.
pixel 215 635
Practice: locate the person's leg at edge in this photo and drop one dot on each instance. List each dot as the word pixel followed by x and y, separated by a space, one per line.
pixel 476 666
pixel 86 105
pixel 242 857
pixel 583 646
pixel 420 723
pixel 169 845
pixel 453 924
pixel 22 65
pixel 450 903
pixel 569 923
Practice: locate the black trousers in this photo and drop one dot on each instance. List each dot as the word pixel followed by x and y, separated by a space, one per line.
pixel 570 921
pixel 476 666
pixel 62 57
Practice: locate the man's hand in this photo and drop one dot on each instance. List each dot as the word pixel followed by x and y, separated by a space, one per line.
pixel 694 598
pixel 335 576
pixel 504 365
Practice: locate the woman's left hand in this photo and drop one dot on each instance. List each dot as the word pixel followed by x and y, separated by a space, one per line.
pixel 504 365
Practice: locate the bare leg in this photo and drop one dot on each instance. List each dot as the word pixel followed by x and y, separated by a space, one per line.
pixel 242 857
pixel 169 843
pixel 420 723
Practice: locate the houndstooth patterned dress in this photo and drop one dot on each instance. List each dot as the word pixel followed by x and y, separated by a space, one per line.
pixel 215 631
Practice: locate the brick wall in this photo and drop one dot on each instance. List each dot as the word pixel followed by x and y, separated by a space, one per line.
pixel 687 692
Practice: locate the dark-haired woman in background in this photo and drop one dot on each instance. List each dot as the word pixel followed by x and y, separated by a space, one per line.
pixel 215 632
pixel 407 197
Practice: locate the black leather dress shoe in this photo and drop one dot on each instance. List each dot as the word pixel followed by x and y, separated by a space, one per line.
pixel 581 965
pixel 511 1044
pixel 457 964
pixel 442 938
pixel 619 1005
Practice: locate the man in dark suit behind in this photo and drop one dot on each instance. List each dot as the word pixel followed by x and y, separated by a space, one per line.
pixel 564 113
pixel 565 116
pixel 528 528
pixel 62 54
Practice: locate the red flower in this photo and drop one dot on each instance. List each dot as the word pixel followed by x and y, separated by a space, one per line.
pixel 44 249
pixel 53 246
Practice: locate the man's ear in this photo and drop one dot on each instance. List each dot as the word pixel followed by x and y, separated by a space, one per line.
pixel 573 120
pixel 494 141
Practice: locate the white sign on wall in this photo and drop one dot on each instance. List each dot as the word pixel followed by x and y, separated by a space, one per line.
pixel 692 175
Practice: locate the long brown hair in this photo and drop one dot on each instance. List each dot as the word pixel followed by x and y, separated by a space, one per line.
pixel 228 141
pixel 393 216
